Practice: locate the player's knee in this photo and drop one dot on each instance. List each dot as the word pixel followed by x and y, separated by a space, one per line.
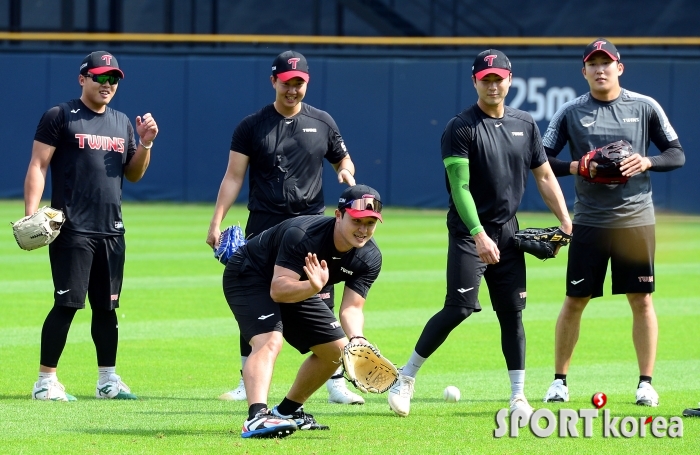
pixel 270 342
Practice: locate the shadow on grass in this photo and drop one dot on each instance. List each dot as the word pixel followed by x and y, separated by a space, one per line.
pixel 159 433
pixel 165 432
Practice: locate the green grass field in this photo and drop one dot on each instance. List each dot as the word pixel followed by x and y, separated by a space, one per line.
pixel 179 350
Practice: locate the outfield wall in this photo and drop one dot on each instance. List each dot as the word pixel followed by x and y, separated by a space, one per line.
pixel 391 112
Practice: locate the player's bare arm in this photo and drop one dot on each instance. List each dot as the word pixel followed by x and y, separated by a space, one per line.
pixel 286 287
pixel 552 195
pixel 351 316
pixel 229 189
pixel 147 130
pixel 345 169
pixel 35 180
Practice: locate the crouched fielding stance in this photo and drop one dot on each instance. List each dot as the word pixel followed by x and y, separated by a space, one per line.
pixel 271 285
pixel 487 150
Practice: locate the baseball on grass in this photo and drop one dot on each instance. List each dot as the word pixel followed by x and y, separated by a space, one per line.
pixel 451 394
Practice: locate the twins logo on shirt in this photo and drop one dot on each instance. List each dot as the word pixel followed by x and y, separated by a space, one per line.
pixel 105 143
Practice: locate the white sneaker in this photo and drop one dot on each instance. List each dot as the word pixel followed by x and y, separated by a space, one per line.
pixel 519 402
pixel 557 392
pixel 114 388
pixel 50 389
pixel 647 396
pixel 400 395
pixel 237 394
pixel 338 392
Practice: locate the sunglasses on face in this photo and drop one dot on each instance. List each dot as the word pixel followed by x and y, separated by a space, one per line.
pixel 104 78
pixel 365 203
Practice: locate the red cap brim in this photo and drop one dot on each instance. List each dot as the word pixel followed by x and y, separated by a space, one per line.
pixel 614 57
pixel 284 77
pixel 500 71
pixel 363 213
pixel 106 69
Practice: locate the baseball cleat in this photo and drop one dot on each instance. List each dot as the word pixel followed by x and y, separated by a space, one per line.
pixel 557 392
pixel 692 412
pixel 646 395
pixel 266 425
pixel 400 395
pixel 302 420
pixel 114 389
pixel 49 389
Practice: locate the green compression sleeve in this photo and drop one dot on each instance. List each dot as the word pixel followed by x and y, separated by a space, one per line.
pixel 458 176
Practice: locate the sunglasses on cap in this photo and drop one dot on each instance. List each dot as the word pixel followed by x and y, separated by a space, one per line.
pixel 365 203
pixel 104 78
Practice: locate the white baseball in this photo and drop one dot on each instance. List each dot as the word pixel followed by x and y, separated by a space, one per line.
pixel 451 394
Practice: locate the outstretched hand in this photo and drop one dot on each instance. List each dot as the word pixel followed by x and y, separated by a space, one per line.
pixel 316 271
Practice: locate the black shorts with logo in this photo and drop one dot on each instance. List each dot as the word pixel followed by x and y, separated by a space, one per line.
pixel 629 250
pixel 506 280
pixel 303 325
pixel 83 266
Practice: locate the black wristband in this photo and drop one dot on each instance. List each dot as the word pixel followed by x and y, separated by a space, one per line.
pixel 357 336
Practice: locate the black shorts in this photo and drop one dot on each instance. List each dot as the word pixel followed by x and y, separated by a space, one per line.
pixel 259 221
pixel 631 254
pixel 303 325
pixel 83 266
pixel 505 280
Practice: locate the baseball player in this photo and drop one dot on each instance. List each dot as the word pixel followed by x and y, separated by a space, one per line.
pixel 90 148
pixel 284 145
pixel 272 285
pixel 612 223
pixel 487 150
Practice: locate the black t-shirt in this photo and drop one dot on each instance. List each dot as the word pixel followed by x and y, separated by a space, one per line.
pixel 288 243
pixel 87 168
pixel 286 158
pixel 500 151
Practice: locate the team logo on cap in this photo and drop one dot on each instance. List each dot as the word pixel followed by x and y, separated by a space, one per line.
pixel 490 58
pixel 107 59
pixel 293 61
pixel 599 45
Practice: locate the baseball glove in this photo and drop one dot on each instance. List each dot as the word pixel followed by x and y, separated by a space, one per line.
pixel 541 242
pixel 367 369
pixel 602 165
pixel 39 229
pixel 230 241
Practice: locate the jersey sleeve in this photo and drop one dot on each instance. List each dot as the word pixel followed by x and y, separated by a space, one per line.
pixel 336 145
pixel 664 137
pixel 50 127
pixel 241 139
pixel 291 252
pixel 362 282
pixel 557 133
pixel 456 139
pixel 538 157
pixel 554 140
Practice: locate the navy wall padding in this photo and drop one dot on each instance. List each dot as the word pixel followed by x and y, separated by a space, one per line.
pixel 390 111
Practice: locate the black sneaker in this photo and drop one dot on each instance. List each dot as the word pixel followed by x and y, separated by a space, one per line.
pixel 267 425
pixel 303 420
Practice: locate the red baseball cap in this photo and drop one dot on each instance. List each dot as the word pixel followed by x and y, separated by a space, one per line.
pixel 290 64
pixel 100 62
pixel 601 45
pixel 360 201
